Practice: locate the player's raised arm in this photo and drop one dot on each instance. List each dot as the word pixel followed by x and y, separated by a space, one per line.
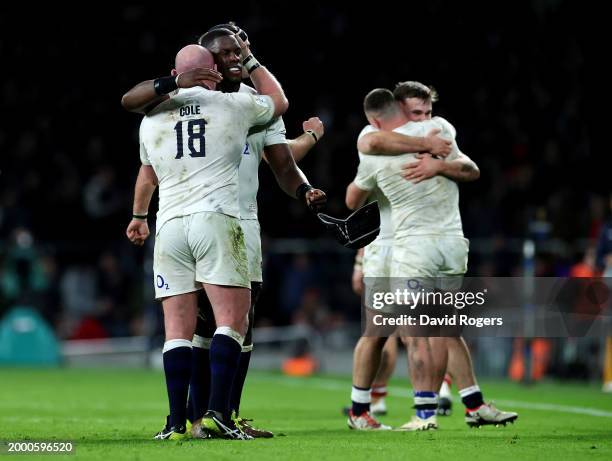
pixel 265 83
pixel 391 143
pixel 460 169
pixel 313 132
pixel 148 94
pixel 143 97
pixel 457 166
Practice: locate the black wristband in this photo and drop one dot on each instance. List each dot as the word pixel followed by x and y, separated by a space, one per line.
pixel 141 217
pixel 250 63
pixel 165 85
pixel 313 134
pixel 300 192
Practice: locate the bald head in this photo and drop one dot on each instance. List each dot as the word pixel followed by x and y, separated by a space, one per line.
pixel 192 57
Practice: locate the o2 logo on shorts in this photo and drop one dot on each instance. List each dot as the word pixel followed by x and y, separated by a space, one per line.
pixel 160 282
pixel 246 149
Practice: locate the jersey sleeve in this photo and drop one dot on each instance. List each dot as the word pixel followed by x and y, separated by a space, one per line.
pixel 275 133
pixel 448 132
pixel 366 173
pixel 257 109
pixel 144 155
pixel 367 129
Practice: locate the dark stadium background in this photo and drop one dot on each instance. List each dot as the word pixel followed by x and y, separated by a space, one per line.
pixel 515 79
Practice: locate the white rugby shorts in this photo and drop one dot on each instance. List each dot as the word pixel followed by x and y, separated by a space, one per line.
pixel 204 247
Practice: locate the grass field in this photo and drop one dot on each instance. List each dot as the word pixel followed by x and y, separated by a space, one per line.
pixel 112 415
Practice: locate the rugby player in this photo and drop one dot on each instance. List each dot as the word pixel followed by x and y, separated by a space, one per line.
pixel 191 145
pixel 416 105
pixel 271 136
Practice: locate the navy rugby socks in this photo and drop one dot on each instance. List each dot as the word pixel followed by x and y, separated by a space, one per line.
pixel 471 397
pixel 199 386
pixel 177 367
pixel 361 398
pixel 225 350
pixel 241 374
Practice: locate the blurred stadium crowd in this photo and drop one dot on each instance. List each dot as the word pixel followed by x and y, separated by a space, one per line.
pixel 516 87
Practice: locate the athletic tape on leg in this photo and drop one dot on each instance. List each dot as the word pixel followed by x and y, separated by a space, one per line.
pixel 227 331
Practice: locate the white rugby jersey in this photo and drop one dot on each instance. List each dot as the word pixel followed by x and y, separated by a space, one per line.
pixel 428 208
pixel 259 137
pixel 194 141
pixel 385 236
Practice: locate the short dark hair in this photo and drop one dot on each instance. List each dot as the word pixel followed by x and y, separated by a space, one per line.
pixel 379 101
pixel 207 39
pixel 232 27
pixel 419 90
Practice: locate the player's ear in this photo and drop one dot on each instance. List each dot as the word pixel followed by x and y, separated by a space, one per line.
pixel 173 72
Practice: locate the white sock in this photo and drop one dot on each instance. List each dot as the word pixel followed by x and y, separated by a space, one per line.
pixel 445 391
pixel 174 343
pixel 201 342
pixel 360 395
pixel 469 390
pixel 227 331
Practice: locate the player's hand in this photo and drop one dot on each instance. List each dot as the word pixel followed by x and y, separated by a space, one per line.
pixel 315 124
pixel 245 49
pixel 357 281
pixel 240 31
pixel 437 145
pixel 247 44
pixel 315 199
pixel 243 35
pixel 424 168
pixel 137 232
pixel 198 77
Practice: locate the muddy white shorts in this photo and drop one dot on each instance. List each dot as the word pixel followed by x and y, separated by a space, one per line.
pixel 252 239
pixel 204 247
pixel 433 259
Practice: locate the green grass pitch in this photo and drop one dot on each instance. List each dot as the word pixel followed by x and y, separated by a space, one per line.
pixel 112 415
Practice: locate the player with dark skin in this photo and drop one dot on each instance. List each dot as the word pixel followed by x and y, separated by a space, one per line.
pixel 229 51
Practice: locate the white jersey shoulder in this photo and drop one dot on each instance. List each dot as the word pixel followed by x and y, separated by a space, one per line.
pixel 367 129
pixel 448 130
pixel 428 208
pixel 259 137
pixel 194 142
pixel 385 236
